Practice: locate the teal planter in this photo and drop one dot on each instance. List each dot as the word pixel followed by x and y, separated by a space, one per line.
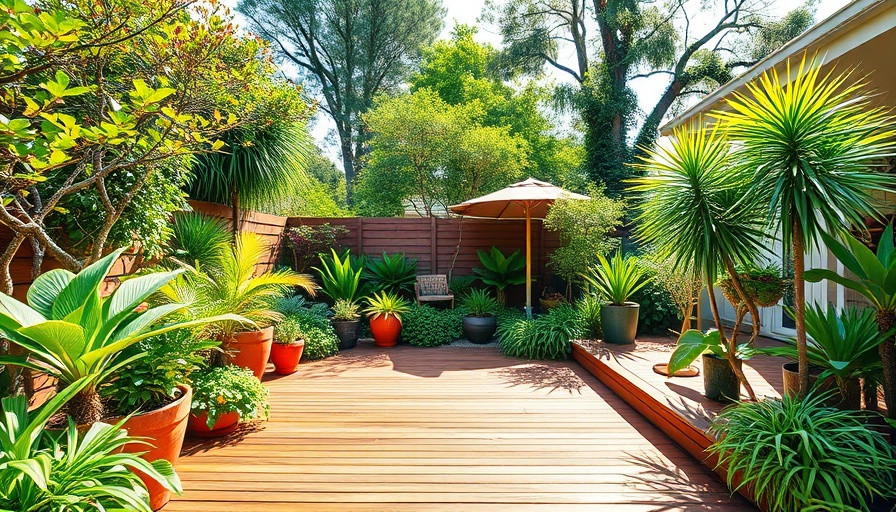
pixel 619 323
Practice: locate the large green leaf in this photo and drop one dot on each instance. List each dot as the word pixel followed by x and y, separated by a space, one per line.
pixel 134 291
pixel 20 313
pixel 84 285
pixel 46 288
pixel 59 336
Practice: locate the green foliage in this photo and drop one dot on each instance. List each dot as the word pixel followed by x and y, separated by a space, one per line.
pixel 341 276
pixel 82 473
pixel 658 313
pixel 461 285
pixel 681 286
pixel 500 271
pixel 306 242
pixel 434 154
pixel 509 315
pixel 426 326
pixel 588 308
pixel 288 331
pixel 800 455
pixel 844 345
pixel 692 344
pixel 584 229
pixel 546 337
pixel 197 238
pixel 617 279
pixel 480 303
pixel 288 306
pixel 320 338
pixel 763 285
pixel 386 304
pixel 345 310
pixel 151 381
pixel 225 389
pixel 393 273
pixel 72 332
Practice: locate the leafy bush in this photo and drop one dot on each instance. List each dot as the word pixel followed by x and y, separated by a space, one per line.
pixel 345 310
pixel 151 381
pixel 224 389
pixel 320 338
pixel 288 332
pixel 658 312
pixel 461 285
pixel 426 326
pixel 546 337
pixel 509 315
pixel 500 271
pixel 802 455
pixel 588 308
pixel 306 242
pixel 394 273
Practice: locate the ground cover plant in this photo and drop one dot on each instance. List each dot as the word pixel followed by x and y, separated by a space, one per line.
pixel 545 337
pixel 426 326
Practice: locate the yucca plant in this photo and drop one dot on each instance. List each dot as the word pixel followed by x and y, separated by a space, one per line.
pixel 811 146
pixel 395 273
pixel 697 213
pixel 385 304
pixel 72 332
pixel 500 271
pixel 341 276
pixel 797 454
pixel 480 303
pixel 616 279
pixel 231 284
pixel 86 472
pixel 875 279
pixel 197 239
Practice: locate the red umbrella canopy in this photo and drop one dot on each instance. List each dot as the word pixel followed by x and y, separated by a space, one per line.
pixel 511 202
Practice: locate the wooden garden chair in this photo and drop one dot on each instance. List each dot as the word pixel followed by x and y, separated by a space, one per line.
pixel 433 288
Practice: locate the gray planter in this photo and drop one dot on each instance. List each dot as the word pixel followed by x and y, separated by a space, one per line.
pixel 347 332
pixel 480 329
pixel 719 381
pixel 619 323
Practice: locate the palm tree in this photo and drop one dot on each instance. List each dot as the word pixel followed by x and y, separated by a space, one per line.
pixel 693 213
pixel 259 169
pixel 810 146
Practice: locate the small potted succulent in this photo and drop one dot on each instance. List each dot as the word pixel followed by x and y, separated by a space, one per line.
pixel 617 280
pixel 385 310
pixel 288 346
pixel 223 396
pixel 480 322
pixel 346 322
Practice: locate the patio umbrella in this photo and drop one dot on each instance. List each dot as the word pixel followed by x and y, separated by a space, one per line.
pixel 529 199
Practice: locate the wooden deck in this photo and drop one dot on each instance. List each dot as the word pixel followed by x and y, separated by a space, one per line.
pixel 455 429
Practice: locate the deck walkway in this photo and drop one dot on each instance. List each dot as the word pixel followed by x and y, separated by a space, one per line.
pixel 454 429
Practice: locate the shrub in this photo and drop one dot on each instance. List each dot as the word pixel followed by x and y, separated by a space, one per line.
pixel 480 303
pixel 461 285
pixel 305 242
pixel 802 455
pixel 588 308
pixel 320 338
pixel 500 271
pixel 658 313
pixel 393 273
pixel 546 337
pixel 224 389
pixel 151 381
pixel 288 332
pixel 426 326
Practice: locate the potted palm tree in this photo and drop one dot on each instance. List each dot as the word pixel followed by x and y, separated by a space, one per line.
pixel 617 280
pixel 346 322
pixel 480 322
pixel 229 283
pixel 288 346
pixel 385 310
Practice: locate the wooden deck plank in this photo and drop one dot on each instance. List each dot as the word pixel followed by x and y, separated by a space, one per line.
pixel 445 429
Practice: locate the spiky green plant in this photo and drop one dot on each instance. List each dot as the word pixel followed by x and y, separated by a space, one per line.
pixel 395 273
pixel 341 275
pixel 197 239
pixel 616 279
pixel 386 304
pixel 501 271
pixel 480 303
pixel 811 146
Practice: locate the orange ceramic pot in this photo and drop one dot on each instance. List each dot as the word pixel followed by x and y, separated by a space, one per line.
pixel 385 329
pixel 286 357
pixel 225 424
pixel 164 429
pixel 251 349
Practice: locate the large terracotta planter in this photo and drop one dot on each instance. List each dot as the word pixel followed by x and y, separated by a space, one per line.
pixel 164 429
pixel 385 329
pixel 619 322
pixel 251 349
pixel 286 357
pixel 225 424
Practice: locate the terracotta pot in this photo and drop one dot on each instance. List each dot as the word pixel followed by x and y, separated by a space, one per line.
pixel 286 357
pixel 852 400
pixel 225 424
pixel 164 429
pixel 385 329
pixel 251 349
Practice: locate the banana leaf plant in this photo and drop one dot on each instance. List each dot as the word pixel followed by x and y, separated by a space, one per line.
pixel 72 332
pixel 44 471
pixel 500 271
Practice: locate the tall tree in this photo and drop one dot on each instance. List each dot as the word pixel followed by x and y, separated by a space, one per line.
pixel 354 49
pixel 635 39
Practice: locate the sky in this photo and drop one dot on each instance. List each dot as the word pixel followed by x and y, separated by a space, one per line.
pixel 467 12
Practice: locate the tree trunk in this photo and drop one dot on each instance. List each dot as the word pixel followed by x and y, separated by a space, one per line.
pixel 869 394
pixel 799 304
pixel 886 320
pixel 348 166
pixel 6 260
pixel 732 359
pixel 650 128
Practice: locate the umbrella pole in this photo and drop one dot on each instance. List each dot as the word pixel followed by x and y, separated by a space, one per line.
pixel 528 264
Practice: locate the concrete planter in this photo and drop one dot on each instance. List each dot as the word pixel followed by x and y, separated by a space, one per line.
pixel 619 322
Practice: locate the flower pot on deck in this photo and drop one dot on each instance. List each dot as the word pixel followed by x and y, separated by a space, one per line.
pixel 385 330
pixel 286 357
pixel 852 400
pixel 164 429
pixel 719 380
pixel 251 349
pixel 480 329
pixel 619 322
pixel 225 424
pixel 347 332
